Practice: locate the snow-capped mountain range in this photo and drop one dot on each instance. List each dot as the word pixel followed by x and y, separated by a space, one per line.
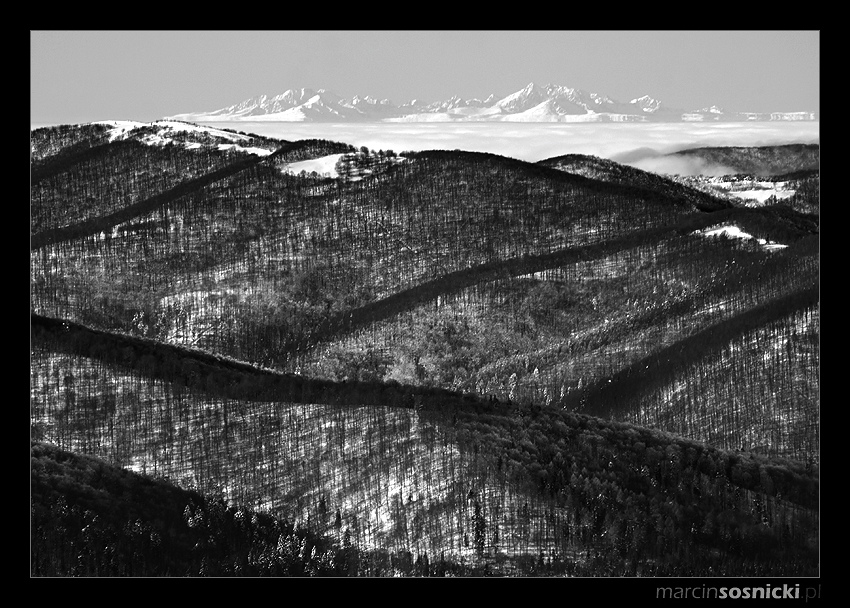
pixel 533 103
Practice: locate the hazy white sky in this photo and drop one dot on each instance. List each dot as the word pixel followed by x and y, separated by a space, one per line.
pixel 81 76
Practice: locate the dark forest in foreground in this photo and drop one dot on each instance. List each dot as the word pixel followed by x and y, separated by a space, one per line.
pixel 434 363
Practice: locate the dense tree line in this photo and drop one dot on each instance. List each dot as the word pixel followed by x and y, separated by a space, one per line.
pixel 305 149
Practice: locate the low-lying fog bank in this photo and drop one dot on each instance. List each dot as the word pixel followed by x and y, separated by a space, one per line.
pixel 632 143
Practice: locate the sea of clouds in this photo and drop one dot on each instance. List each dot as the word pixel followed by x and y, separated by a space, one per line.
pixel 637 144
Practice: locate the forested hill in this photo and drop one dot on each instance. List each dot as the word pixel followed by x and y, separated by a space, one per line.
pixel 92 518
pixel 545 453
pixel 758 160
pixel 115 178
pixel 609 171
pixel 442 357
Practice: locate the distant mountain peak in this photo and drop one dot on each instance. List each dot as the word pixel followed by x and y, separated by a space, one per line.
pixel 532 103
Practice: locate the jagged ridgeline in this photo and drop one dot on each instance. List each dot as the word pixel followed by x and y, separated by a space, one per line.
pixel 444 360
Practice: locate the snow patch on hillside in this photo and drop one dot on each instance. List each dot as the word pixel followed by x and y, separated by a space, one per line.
pixel 120 128
pixel 167 130
pixel 735 232
pixel 248 149
pixel 324 166
pixel 760 195
pixel 752 191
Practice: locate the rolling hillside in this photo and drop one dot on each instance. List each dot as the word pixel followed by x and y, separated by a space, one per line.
pixel 444 361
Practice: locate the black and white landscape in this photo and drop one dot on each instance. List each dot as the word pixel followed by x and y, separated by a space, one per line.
pixel 261 347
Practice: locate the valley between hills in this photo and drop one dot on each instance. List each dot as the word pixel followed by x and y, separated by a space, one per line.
pixel 431 363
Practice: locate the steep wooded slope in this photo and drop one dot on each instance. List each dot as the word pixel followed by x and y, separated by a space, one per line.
pixel 424 472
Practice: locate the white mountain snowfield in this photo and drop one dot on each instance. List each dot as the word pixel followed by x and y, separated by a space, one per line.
pixel 533 103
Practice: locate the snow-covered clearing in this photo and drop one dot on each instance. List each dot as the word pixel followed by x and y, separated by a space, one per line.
pixel 324 166
pixel 752 191
pixel 761 194
pixel 168 129
pixel 120 128
pixel 735 232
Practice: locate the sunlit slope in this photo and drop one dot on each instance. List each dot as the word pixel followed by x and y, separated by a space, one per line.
pixel 546 337
pixel 263 244
pixel 449 476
